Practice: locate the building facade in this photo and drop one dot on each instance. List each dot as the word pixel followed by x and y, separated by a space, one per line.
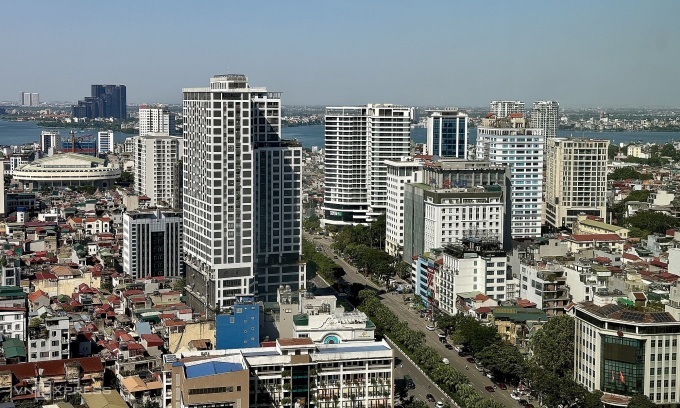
pixel 286 373
pixel 503 109
pixel 576 180
pixel 358 142
pixel 447 133
pixel 239 327
pixel 507 141
pixel 471 265
pixel 29 99
pixel 456 199
pixel 545 116
pixel 105 101
pixel 50 141
pixel 152 243
pixel 399 173
pixel 67 170
pixel 232 138
pixel 105 141
pixel 155 120
pixel 157 158
pixel 50 340
pixel 623 352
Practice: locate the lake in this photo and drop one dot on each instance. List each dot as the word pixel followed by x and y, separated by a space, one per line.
pixel 18 133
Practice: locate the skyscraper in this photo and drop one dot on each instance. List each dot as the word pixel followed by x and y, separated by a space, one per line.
pixel 358 142
pixel 576 180
pixel 233 224
pixel 156 120
pixel 545 115
pixel 508 141
pixel 447 133
pixel 106 101
pixel 29 99
pixel 503 109
pixel 157 173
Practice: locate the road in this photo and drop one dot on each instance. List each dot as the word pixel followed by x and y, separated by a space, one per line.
pixel 396 303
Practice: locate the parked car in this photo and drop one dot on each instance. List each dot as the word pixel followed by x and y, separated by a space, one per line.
pixel 448 346
pixel 523 402
pixel 502 386
pixel 430 397
pixel 489 388
pixel 471 360
pixel 440 404
pixel 430 327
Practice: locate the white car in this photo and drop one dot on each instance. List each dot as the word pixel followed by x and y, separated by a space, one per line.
pixel 430 327
pixel 440 404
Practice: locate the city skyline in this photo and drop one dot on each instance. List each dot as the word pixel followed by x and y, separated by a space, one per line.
pixel 614 54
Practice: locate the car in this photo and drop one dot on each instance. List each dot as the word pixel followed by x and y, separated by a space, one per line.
pixel 462 353
pixel 515 395
pixel 440 404
pixel 445 361
pixel 430 397
pixel 502 386
pixel 448 346
pixel 529 406
pixel 479 368
pixel 430 327
pixel 489 376
pixel 471 360
pixel 489 388
pixel 523 402
pixel 335 257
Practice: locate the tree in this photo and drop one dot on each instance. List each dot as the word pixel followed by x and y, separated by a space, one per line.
pixel 640 401
pixel 624 173
pixel 403 270
pixel 503 360
pixel 179 284
pixel 651 221
pixel 593 399
pixel 126 177
pixel 553 346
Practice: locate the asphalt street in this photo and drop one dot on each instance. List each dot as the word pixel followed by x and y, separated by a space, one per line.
pixel 396 303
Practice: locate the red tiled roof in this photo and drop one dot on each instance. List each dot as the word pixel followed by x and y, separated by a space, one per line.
pixel 32 297
pixel 525 303
pixel 53 368
pixel 483 310
pixel 152 340
pixel 626 255
pixel 481 297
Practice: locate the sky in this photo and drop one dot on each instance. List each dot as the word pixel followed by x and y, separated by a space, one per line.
pixel 605 53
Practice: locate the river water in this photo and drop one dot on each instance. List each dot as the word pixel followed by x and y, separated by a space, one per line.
pixel 18 133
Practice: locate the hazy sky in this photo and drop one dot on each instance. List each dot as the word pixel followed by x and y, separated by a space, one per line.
pixel 454 53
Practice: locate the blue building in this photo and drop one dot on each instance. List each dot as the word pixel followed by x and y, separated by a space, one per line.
pixel 239 328
pixel 447 133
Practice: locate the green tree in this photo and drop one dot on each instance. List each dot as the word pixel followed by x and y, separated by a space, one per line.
pixel 593 399
pixel 179 284
pixel 640 401
pixel 126 177
pixel 403 270
pixel 651 221
pixel 504 361
pixel 624 173
pixel 553 346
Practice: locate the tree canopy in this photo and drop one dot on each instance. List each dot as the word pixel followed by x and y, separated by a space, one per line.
pixel 624 173
pixel 640 401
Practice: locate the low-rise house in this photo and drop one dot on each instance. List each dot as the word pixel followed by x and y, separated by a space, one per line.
pixel 514 323
pixel 50 380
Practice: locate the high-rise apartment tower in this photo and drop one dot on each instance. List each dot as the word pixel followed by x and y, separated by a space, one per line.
pixel 242 194
pixel 358 142
pixel 576 180
pixel 545 115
